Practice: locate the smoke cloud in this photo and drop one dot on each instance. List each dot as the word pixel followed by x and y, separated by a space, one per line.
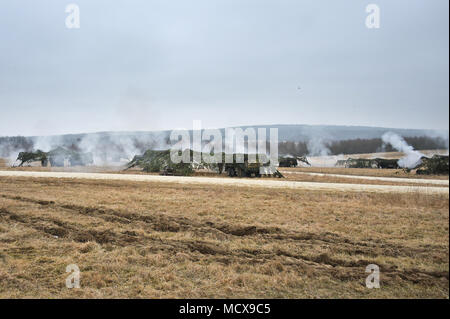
pixel 317 147
pixel 107 148
pixel 412 157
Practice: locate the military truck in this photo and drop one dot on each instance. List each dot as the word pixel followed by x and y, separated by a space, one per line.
pixel 287 162
pixel 243 169
pixel 248 168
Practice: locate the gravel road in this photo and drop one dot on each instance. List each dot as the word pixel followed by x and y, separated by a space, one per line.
pixel 261 182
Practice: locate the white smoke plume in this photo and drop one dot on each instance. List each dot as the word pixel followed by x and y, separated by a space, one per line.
pixel 316 147
pixel 412 157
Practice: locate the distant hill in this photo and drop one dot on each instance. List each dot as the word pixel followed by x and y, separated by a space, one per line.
pixel 286 132
pixel 302 133
pixel 317 139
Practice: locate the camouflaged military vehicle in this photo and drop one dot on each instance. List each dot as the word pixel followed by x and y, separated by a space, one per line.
pixel 245 169
pixel 288 162
pixel 248 168
pixel 386 163
pixel 368 163
pixel 159 162
pixel 436 165
pixel 155 161
pixel 57 157
pixel 360 163
pixel 28 157
pixel 292 161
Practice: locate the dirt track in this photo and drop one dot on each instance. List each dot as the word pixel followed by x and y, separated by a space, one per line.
pixel 234 182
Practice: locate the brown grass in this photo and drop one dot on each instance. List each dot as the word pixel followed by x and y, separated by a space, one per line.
pixel 344 180
pixel 157 240
pixel 364 172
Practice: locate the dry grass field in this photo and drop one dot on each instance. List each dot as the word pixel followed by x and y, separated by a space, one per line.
pixel 345 180
pixel 158 240
pixel 399 173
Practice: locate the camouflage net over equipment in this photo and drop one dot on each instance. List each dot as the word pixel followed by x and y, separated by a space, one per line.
pixel 159 162
pixel 153 161
pixel 436 165
pixel 28 157
pixel 368 163
pixel 56 157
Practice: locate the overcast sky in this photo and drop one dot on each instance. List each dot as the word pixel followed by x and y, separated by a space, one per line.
pixel 150 65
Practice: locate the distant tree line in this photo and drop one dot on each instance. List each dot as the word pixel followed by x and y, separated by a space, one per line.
pixel 356 146
pixel 14 144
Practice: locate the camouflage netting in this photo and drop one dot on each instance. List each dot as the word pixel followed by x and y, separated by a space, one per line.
pixel 359 163
pixel 368 163
pixel 56 157
pixel 436 165
pixel 386 163
pixel 159 161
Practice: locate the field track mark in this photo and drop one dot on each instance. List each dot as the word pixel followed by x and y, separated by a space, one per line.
pixel 164 223
pixel 322 263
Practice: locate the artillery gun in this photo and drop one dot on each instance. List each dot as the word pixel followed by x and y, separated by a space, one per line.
pixel 303 159
pixel 28 157
pixel 158 161
pixel 436 165
pixel 56 157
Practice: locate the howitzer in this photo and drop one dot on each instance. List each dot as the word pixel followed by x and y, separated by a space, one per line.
pixel 28 157
pixel 56 157
pixel 304 160
pixel 436 165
